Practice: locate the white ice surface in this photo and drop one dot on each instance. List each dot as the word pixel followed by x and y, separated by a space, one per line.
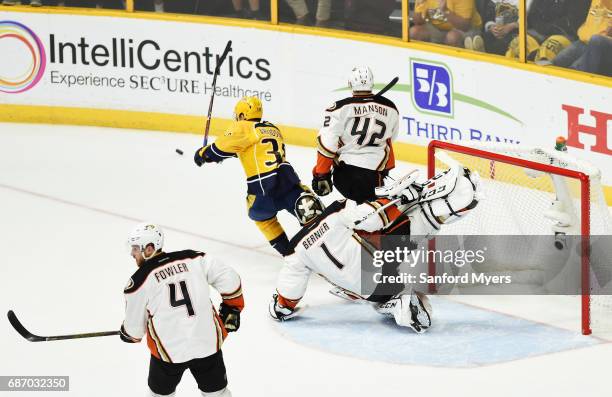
pixel 69 195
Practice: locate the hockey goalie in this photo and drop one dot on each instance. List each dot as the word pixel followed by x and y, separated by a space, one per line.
pixel 331 242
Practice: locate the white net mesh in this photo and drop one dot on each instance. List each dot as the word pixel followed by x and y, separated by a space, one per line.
pixel 519 201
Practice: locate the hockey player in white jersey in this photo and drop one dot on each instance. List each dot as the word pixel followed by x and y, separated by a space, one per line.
pixel 355 142
pixel 168 299
pixel 332 244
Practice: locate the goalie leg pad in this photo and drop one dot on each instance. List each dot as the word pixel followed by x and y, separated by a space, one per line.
pixel 413 311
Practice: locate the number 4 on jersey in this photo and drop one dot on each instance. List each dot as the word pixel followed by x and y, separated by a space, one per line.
pixel 186 299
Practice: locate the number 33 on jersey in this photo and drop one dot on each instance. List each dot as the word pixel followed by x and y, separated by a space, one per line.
pixel 260 148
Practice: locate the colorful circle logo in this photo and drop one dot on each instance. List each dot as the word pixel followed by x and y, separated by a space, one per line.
pixel 31 74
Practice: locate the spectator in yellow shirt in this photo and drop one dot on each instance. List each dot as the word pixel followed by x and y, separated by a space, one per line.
pixel 445 21
pixel 592 52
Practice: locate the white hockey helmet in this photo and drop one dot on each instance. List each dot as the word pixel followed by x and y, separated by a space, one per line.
pixel 361 79
pixel 146 233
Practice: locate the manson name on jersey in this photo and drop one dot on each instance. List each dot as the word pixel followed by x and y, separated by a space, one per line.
pixel 360 110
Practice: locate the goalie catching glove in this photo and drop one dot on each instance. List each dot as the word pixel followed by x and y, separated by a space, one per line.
pixel 230 317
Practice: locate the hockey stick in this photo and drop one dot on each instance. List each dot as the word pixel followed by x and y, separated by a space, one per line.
pixel 35 338
pixel 379 210
pixel 388 86
pixel 446 159
pixel 228 48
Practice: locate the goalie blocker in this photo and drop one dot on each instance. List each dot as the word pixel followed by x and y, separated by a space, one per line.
pixel 332 244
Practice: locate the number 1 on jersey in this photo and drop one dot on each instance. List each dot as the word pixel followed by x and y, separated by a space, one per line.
pixel 186 299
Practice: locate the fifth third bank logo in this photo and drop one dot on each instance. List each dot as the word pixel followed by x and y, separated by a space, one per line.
pixel 432 88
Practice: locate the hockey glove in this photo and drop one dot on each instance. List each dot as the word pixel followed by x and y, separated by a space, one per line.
pixel 322 184
pixel 126 337
pixel 230 317
pixel 279 312
pixel 200 156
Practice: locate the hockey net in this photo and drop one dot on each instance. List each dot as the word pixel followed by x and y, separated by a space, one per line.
pixel 528 192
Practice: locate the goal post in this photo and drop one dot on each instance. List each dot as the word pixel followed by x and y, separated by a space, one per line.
pixel 523 169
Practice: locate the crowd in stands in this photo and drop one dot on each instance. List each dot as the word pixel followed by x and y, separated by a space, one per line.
pixel 573 34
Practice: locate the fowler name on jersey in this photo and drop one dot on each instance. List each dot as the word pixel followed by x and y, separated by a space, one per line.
pixel 172 270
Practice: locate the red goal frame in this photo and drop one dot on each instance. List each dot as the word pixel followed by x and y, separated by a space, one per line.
pixel 585 226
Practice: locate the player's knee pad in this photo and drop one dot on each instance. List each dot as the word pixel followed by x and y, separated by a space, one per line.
pixel 153 394
pixel 225 392
pixel 308 207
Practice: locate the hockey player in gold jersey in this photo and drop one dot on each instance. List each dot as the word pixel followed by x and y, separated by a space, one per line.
pixel 272 184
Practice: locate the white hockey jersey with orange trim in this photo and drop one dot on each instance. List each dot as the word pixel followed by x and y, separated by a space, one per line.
pixel 332 247
pixel 168 299
pixel 359 131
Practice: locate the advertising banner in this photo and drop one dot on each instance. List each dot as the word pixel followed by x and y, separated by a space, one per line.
pixel 143 65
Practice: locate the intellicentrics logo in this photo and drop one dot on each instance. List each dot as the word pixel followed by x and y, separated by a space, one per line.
pixel 149 65
pixel 96 59
pixel 26 68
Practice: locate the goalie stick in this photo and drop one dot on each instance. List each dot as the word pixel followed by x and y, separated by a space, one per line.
pixel 35 338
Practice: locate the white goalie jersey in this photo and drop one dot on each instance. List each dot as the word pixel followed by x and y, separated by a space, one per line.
pixel 332 245
pixel 168 299
pixel 359 131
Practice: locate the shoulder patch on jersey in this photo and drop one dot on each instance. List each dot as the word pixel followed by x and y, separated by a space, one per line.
pixel 129 285
pixel 332 107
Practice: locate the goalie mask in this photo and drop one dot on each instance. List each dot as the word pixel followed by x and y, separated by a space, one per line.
pixel 308 207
